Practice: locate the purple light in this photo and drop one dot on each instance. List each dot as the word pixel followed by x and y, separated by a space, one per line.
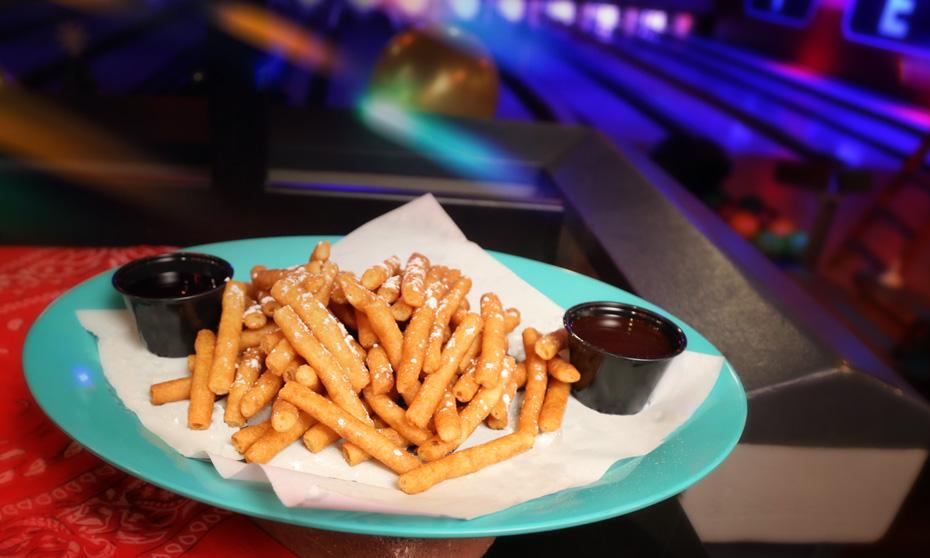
pixel 655 20
pixel 630 20
pixel 512 10
pixel 683 25
pixel 562 11
pixel 606 19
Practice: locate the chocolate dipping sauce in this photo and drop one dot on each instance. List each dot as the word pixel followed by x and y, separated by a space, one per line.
pixel 173 284
pixel 629 336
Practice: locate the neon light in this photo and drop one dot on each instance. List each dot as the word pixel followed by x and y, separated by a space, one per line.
pixel 512 10
pixel 630 20
pixel 893 22
pixel 892 31
pixel 465 9
pixel 271 32
pixel 561 10
pixel 606 19
pixel 654 20
pixel 683 25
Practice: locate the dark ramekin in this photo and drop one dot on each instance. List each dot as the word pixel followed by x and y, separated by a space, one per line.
pixel 615 383
pixel 168 324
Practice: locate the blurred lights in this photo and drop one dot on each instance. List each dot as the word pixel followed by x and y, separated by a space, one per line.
pixel 455 148
pixel 512 10
pixel 914 72
pixel 599 19
pixel 465 9
pixel 82 375
pixel 654 20
pixel 606 19
pixel 413 8
pixel 630 20
pixel 561 10
pixel 273 33
pixel 47 137
pixel 683 23
pixel 361 5
pixel 269 71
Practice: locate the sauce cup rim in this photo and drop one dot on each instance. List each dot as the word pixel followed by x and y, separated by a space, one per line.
pixel 119 275
pixel 678 338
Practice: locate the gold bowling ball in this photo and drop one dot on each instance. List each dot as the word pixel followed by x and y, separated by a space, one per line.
pixel 438 70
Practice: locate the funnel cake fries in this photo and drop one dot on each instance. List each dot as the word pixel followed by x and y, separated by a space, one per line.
pixel 493 341
pixel 430 393
pixel 415 340
pixel 330 331
pixel 320 252
pixel 535 384
pixel 375 276
pixel 413 282
pixel 391 366
pixel 550 344
pixel 200 411
pixel 247 372
pixel 443 314
pixel 223 369
pixel 172 390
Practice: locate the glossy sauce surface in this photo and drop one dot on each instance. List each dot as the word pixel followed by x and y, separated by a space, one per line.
pixel 628 336
pixel 172 284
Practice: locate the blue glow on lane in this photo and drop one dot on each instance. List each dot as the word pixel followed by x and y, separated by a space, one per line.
pixel 817 134
pixel 918 118
pixel 792 94
pixel 692 114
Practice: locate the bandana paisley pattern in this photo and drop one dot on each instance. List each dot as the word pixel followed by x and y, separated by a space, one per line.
pixel 56 499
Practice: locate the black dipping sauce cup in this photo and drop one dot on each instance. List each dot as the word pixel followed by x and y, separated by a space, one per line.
pixel 621 351
pixel 172 297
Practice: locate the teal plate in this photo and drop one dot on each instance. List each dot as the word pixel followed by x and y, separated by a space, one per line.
pixel 63 371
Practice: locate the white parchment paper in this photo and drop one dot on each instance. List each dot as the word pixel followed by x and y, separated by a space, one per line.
pixel 580 453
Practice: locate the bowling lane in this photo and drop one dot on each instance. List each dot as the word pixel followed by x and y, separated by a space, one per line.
pixel 886 133
pixel 817 134
pixel 574 95
pixel 915 120
pixel 688 113
pixel 511 107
